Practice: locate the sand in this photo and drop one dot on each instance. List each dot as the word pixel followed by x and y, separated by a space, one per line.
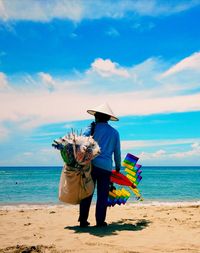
pixel 136 228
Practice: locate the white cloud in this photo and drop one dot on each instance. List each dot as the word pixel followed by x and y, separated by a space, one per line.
pixel 130 144
pixel 194 151
pixel 163 157
pixel 2 10
pixel 129 91
pixel 3 81
pixel 142 26
pixel 47 79
pixel 44 157
pixel 159 153
pixel 40 10
pixel 183 77
pixel 81 9
pixel 113 32
pixel 155 8
pixel 130 104
pixel 155 156
pixel 32 109
pixel 189 63
pixel 108 68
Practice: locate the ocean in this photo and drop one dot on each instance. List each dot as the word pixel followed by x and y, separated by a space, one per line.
pixel 39 185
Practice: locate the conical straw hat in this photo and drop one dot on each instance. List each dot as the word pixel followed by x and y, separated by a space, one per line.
pixel 104 108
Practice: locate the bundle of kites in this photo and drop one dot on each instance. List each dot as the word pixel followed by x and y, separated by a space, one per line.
pixel 131 179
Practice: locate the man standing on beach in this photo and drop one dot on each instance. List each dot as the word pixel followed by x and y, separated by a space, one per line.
pixel 109 141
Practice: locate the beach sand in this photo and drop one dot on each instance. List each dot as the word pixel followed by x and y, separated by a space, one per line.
pixel 132 228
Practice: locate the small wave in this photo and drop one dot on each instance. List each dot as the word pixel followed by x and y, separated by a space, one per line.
pixel 40 206
pixel 2 172
pixel 167 203
pixel 27 206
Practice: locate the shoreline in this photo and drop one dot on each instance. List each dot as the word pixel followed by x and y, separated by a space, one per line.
pixel 16 206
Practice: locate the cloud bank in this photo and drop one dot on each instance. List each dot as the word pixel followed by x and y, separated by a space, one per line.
pixel 38 10
pixel 142 89
pixel 189 156
pixel 189 63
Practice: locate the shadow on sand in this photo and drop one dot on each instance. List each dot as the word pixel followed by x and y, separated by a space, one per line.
pixel 113 228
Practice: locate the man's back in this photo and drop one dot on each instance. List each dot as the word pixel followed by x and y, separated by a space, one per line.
pixel 108 139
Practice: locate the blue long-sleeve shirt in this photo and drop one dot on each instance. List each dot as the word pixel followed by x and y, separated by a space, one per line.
pixel 109 141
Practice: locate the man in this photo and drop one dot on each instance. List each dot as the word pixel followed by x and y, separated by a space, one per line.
pixel 109 141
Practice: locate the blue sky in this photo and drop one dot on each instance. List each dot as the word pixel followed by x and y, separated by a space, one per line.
pixel 60 58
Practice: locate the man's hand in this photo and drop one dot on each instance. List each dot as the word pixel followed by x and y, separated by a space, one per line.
pixel 117 169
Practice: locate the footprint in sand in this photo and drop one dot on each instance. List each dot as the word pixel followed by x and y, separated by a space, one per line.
pixel 27 224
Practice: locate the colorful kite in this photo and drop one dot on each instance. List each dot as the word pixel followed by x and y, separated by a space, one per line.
pixel 131 180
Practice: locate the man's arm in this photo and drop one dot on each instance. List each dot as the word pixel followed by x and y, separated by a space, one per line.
pixel 117 153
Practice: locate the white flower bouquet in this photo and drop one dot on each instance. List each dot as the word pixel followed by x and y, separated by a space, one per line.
pixel 77 150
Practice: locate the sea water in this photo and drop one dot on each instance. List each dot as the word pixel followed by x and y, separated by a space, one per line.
pixel 39 185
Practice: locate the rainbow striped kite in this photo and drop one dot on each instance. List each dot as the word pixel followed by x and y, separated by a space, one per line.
pixel 131 179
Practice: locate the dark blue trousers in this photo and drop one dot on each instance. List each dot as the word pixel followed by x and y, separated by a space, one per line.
pixel 102 179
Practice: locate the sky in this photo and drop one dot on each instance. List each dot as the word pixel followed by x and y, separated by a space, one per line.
pixel 59 58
